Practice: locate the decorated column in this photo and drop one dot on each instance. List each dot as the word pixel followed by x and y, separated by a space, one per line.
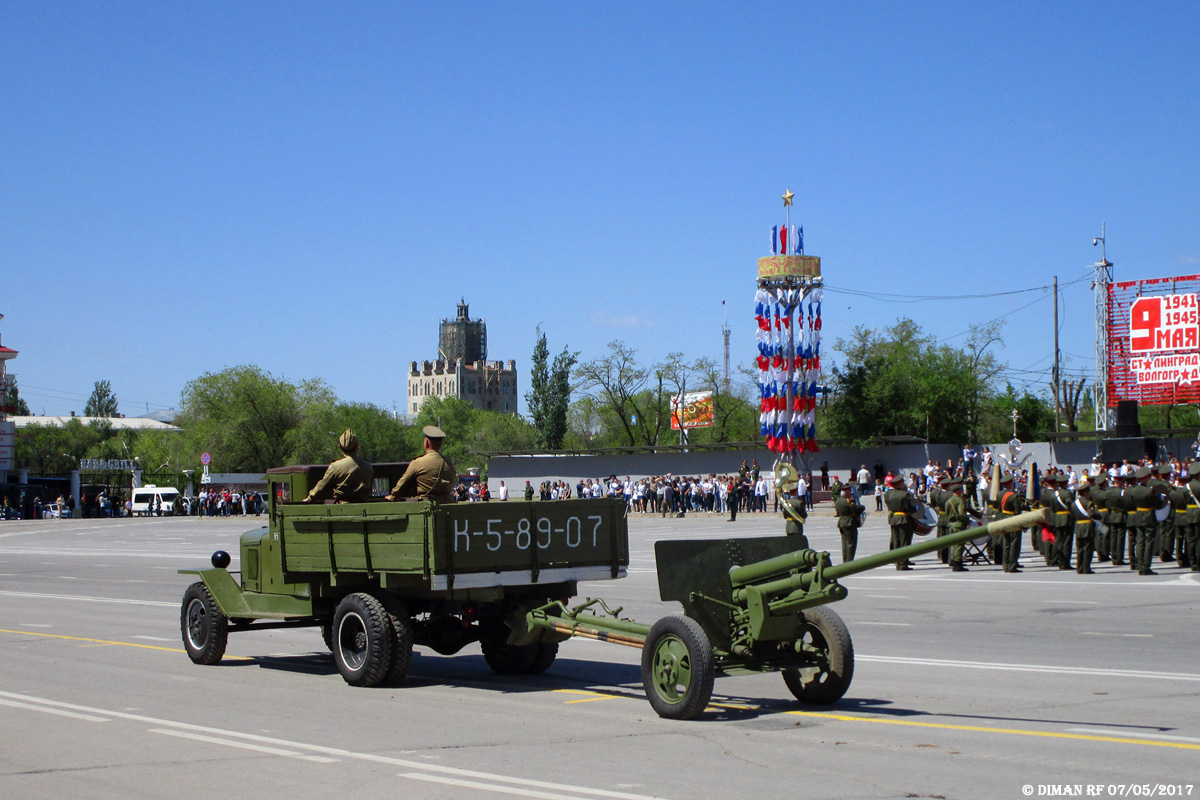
pixel 787 308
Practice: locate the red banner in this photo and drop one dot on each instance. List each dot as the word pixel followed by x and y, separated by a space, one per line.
pixel 1154 341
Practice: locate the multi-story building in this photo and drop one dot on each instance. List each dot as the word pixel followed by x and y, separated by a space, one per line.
pixel 7 429
pixel 462 369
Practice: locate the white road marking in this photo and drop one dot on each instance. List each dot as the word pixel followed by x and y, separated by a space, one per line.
pixel 1073 671
pixel 1138 733
pixel 1129 635
pixel 35 625
pixel 490 778
pixel 487 787
pixel 258 748
pixel 154 638
pixel 888 596
pixel 90 599
pixel 1089 585
pixel 59 712
pixel 894 624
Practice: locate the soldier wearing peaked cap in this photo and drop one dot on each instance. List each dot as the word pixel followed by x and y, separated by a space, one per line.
pixel 900 505
pixel 1008 504
pixel 1190 533
pixel 938 495
pixel 430 476
pixel 1084 515
pixel 849 512
pixel 1144 500
pixel 1059 502
pixel 1099 493
pixel 1118 515
pixel 347 480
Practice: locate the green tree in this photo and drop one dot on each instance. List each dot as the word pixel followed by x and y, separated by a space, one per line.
pixel 15 402
pixel 1035 416
pixel 251 421
pixel 902 382
pixel 549 396
pixel 102 403
pixel 632 400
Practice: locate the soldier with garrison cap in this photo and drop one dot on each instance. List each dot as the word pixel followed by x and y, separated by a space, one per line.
pixel 957 520
pixel 430 476
pixel 347 480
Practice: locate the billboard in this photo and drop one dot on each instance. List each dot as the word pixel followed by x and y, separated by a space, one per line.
pixel 697 410
pixel 8 440
pixel 1154 341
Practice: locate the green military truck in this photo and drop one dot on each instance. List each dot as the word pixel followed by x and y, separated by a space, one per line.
pixel 380 577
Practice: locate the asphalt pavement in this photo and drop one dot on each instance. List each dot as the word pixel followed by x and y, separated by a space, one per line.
pixel 967 685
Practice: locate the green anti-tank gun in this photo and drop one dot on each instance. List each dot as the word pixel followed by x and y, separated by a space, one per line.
pixel 381 577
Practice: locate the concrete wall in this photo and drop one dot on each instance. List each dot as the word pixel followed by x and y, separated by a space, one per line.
pixel 515 470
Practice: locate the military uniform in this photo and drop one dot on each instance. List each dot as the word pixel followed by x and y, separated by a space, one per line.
pixel 1145 500
pixel 1009 504
pixel 1164 533
pixel 848 511
pixel 1100 511
pixel 1191 520
pixel 956 520
pixel 1179 500
pixel 1063 525
pixel 900 505
pixel 1117 516
pixel 1082 512
pixel 429 477
pixel 937 498
pixel 347 480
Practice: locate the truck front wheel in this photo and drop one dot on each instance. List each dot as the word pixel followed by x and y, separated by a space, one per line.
pixel 203 625
pixel 362 640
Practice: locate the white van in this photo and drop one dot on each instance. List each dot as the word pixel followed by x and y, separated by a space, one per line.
pixel 150 501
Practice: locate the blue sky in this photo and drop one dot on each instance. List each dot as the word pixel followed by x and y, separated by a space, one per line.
pixel 312 187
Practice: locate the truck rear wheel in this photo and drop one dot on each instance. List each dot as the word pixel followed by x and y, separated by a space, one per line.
pixel 402 635
pixel 678 668
pixel 203 624
pixel 827 683
pixel 362 640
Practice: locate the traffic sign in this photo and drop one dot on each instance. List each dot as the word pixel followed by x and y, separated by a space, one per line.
pixel 205 459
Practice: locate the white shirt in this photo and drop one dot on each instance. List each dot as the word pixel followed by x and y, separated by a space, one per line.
pixel 864 476
pixel 503 492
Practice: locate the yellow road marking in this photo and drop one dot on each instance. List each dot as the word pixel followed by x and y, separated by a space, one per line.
pixel 981 729
pixel 590 696
pixel 100 642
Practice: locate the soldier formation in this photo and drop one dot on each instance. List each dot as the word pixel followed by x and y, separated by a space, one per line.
pixel 1124 515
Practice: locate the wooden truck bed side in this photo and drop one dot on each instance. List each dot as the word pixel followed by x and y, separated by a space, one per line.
pixel 457 545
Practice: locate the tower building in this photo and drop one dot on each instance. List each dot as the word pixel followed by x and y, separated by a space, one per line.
pixel 462 369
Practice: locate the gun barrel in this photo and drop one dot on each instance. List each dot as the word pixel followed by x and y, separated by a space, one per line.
pixel 933 543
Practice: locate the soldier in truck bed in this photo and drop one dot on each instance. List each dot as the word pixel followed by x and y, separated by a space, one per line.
pixel 347 480
pixel 430 476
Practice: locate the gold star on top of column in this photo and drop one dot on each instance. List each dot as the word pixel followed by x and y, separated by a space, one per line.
pixel 787 197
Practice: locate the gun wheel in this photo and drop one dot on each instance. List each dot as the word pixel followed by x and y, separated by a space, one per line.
pixel 203 624
pixel 362 640
pixel 827 682
pixel 678 668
